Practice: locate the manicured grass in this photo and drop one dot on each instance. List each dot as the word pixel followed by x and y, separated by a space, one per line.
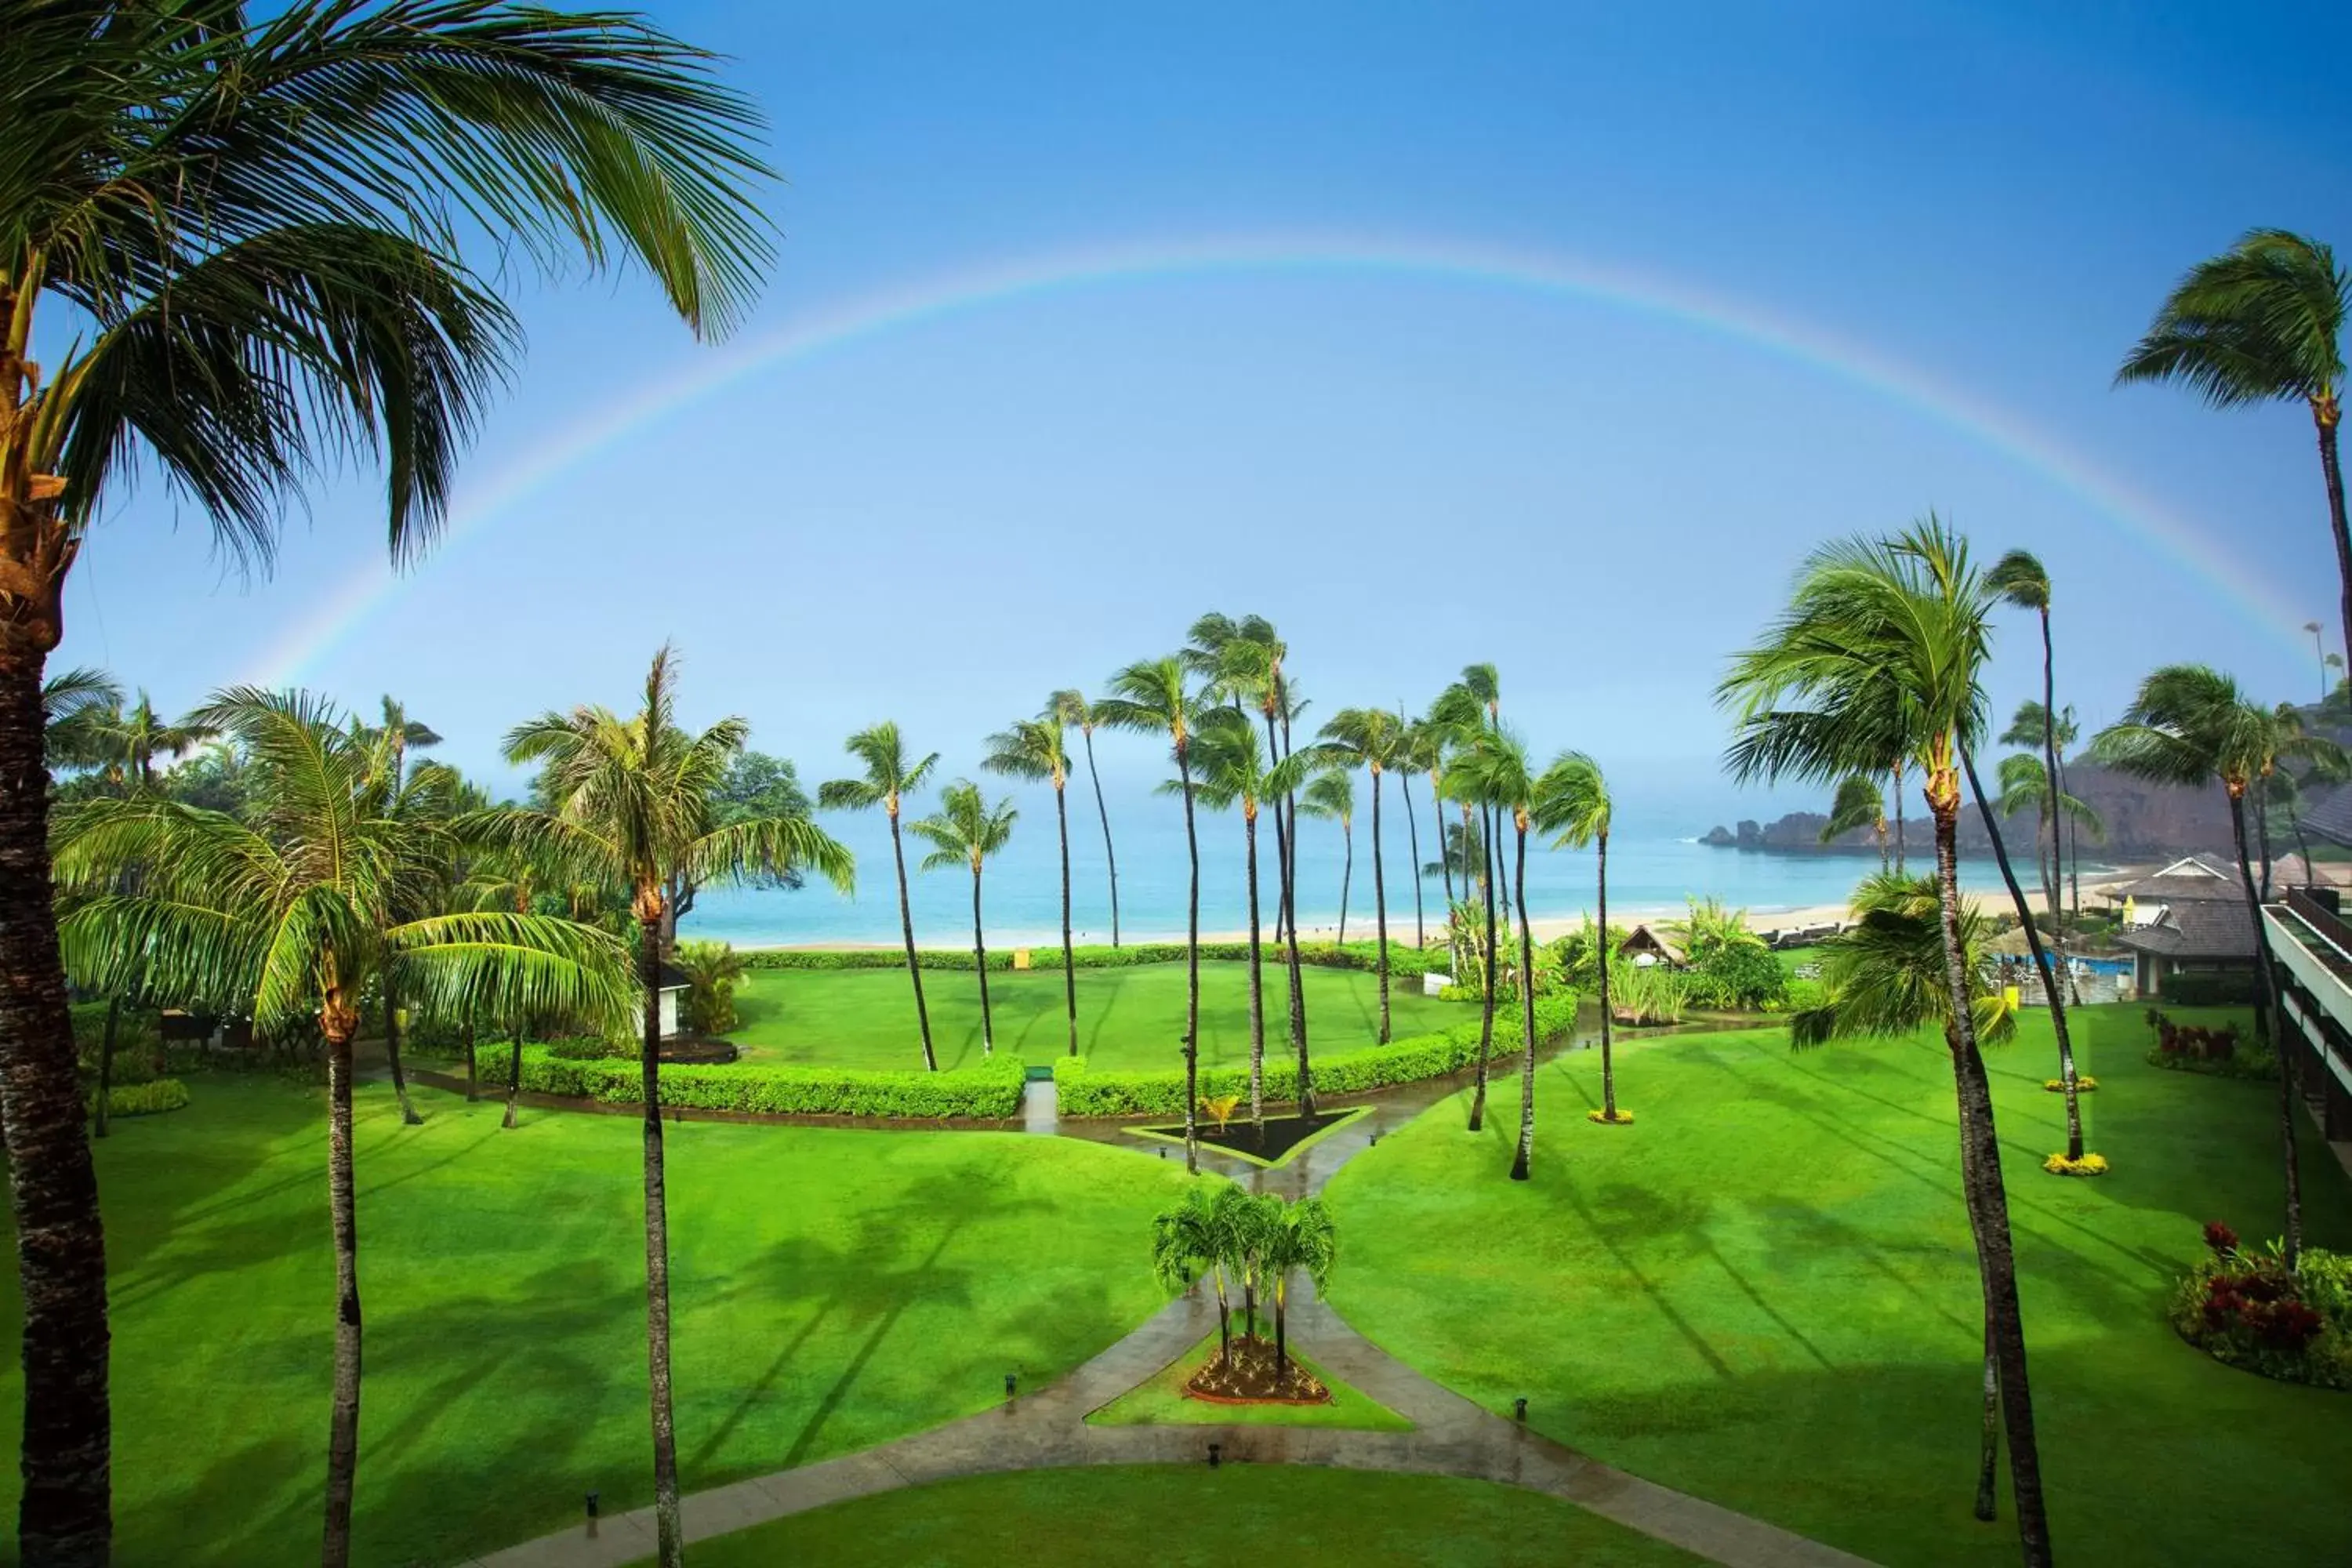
pixel 1764 1293
pixel 1127 1017
pixel 832 1289
pixel 1161 1402
pixel 1190 1516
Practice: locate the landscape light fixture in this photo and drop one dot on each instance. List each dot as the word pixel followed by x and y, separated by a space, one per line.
pixel 1012 1384
pixel 1519 1411
pixel 1216 1455
pixel 591 1506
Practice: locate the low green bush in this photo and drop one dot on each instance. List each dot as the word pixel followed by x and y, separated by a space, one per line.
pixel 150 1098
pixel 2243 1307
pixel 991 1091
pixel 1405 961
pixel 2210 988
pixel 1081 1090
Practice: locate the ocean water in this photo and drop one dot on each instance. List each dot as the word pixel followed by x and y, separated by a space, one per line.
pixel 1651 872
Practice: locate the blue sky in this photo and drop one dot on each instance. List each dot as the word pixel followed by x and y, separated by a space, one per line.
pixel 943 517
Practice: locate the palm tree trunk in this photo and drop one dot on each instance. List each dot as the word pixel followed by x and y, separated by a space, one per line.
pixel 2324 414
pixel 1502 880
pixel 1412 842
pixel 1987 1198
pixel 1110 858
pixel 1290 903
pixel 2268 994
pixel 1987 1501
pixel 1225 1319
pixel 343 1425
pixel 1281 1329
pixel 2041 964
pixel 1284 915
pixel 1192 966
pixel 1437 821
pixel 670 1537
pixel 1899 834
pixel 1608 1068
pixel 1379 909
pixel 1256 981
pixel 408 1116
pixel 1346 873
pixel 2263 837
pixel 1069 958
pixel 907 930
pixel 2057 809
pixel 1525 1156
pixel 105 1068
pixel 514 1078
pixel 980 967
pixel 64 1514
pixel 1486 1009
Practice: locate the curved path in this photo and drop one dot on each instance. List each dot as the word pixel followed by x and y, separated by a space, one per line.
pixel 1450 1435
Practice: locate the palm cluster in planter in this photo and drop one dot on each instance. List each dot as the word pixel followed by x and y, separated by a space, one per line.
pixel 1251 1246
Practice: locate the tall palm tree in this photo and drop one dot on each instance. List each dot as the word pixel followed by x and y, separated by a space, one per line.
pixel 285 289
pixel 965 831
pixel 1571 799
pixel 1478 700
pixel 2021 784
pixel 1155 696
pixel 1372 739
pixel 1427 744
pixel 1415 753
pixel 2262 322
pixel 2191 726
pixel 1234 772
pixel 2019 578
pixel 292 919
pixel 2025 729
pixel 1859 803
pixel 1038 749
pixel 889 780
pixel 632 809
pixel 1072 708
pixel 435 793
pixel 1494 764
pixel 1879 657
pixel 1474 788
pixel 1331 798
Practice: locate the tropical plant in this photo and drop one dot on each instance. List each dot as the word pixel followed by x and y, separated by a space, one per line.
pixel 966 831
pixel 292 919
pixel 2191 726
pixel 1155 696
pixel 1190 1236
pixel 1416 753
pixel 1220 1108
pixel 631 807
pixel 78 706
pixel 1372 739
pixel 1038 749
pixel 1878 658
pixel 283 290
pixel 1859 804
pixel 1494 766
pixel 2261 323
pixel 1299 1236
pixel 1331 798
pixel 1072 708
pixel 711 970
pixel 1425 742
pixel 889 779
pixel 1571 801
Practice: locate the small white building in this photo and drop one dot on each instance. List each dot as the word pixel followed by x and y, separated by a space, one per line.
pixel 673 987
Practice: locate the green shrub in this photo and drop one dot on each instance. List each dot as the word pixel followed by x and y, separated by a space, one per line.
pixel 987 1092
pixel 2210 988
pixel 150 1098
pixel 2242 1308
pixel 1405 961
pixel 1081 1090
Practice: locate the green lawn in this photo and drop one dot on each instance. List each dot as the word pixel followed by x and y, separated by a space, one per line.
pixel 1763 1292
pixel 833 1290
pixel 1161 1401
pixel 1248 1515
pixel 1127 1017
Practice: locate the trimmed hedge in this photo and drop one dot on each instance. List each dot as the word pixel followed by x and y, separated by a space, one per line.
pixel 150 1099
pixel 1081 1091
pixel 2209 988
pixel 989 1093
pixel 1405 961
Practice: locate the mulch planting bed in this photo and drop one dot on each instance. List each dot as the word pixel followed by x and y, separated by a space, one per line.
pixel 1251 1378
pixel 1240 1136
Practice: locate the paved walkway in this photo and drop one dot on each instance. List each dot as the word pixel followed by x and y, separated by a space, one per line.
pixel 1450 1435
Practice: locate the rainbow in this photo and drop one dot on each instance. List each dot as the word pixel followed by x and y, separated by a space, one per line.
pixel 366 593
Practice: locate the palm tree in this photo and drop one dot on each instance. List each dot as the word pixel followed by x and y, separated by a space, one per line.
pixel 2261 323
pixel 2191 726
pixel 2019 578
pixel 965 831
pixel 1300 1236
pixel 274 298
pixel 1473 786
pixel 1859 804
pixel 1571 799
pixel 1196 1234
pixel 631 808
pixel 1427 742
pixel 1494 764
pixel 1332 798
pixel 2021 784
pixel 1372 738
pixel 1234 772
pixel 1477 699
pixel 1879 658
pixel 77 708
pixel 293 918
pixel 1072 708
pixel 890 779
pixel 1883 976
pixel 1155 696
pixel 1415 753
pixel 1038 749
pixel 2025 729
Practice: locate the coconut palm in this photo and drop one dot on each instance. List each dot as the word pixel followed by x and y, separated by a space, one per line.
pixel 1372 739
pixel 1478 700
pixel 1859 803
pixel 1494 764
pixel 1425 742
pixel 2261 323
pixel 1879 658
pixel 631 808
pixel 2026 729
pixel 1474 788
pixel 1155 696
pixel 293 919
pixel 965 831
pixel 2019 578
pixel 1300 1236
pixel 1331 798
pixel 1072 708
pixel 889 780
pixel 283 290
pixel 1038 749
pixel 2021 786
pixel 1414 752
pixel 2191 726
pixel 1571 800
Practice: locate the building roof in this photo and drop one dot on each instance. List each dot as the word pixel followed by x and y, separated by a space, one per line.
pixel 2195 928
pixel 1642 939
pixel 672 978
pixel 2193 877
pixel 2331 817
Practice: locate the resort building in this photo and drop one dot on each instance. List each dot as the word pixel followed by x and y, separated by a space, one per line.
pixel 2311 948
pixel 1646 947
pixel 2188 918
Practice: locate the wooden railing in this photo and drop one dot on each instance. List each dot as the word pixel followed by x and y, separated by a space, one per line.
pixel 2334 932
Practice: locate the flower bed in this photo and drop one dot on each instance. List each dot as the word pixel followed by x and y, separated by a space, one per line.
pixel 2217 1053
pixel 2088 1165
pixel 2085 1084
pixel 2242 1307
